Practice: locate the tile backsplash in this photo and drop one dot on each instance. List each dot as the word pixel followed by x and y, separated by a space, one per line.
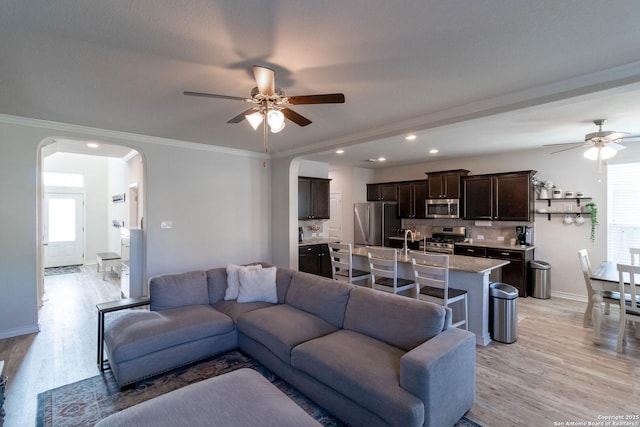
pixel 491 233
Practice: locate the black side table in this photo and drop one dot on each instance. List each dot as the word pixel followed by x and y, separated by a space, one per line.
pixel 108 307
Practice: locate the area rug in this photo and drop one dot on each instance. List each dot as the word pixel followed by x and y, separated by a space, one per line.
pixel 85 402
pixel 69 269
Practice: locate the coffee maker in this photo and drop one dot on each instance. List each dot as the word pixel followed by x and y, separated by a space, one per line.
pixel 524 235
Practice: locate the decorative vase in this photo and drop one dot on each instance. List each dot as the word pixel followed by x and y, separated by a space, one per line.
pixel 543 193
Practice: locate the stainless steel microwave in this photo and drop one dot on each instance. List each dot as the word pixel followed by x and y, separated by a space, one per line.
pixel 442 208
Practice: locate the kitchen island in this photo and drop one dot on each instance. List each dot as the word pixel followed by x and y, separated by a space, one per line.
pixel 468 273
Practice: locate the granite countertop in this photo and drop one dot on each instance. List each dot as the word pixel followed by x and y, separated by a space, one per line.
pixel 318 241
pixel 456 262
pixel 496 245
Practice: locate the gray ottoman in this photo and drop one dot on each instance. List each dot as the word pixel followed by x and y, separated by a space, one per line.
pixel 239 398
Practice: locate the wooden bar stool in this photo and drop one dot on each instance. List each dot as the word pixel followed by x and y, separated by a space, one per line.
pixel 342 264
pixel 384 271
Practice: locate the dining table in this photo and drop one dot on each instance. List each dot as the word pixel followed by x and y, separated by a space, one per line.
pixel 605 278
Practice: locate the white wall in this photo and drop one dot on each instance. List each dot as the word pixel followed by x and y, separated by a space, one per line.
pixel 555 241
pixel 95 170
pixel 218 200
pixel 117 183
pixel 351 182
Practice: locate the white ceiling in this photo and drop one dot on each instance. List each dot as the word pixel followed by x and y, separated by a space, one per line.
pixel 468 77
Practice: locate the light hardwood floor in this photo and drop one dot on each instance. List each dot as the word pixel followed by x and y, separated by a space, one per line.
pixel 552 374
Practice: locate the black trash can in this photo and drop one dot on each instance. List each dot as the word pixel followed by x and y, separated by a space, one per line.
pixel 503 312
pixel 541 272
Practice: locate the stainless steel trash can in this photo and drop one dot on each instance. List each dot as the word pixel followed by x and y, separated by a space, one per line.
pixel 503 312
pixel 541 272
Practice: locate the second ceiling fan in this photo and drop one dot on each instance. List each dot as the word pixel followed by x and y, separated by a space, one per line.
pixel 270 104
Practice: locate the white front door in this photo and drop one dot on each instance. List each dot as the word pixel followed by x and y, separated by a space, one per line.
pixel 63 229
pixel 335 216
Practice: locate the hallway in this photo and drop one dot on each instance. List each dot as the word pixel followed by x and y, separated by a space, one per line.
pixel 64 351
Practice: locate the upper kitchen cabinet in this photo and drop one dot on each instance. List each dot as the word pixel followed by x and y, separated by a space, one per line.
pixel 313 198
pixel 500 197
pixel 411 199
pixel 445 184
pixel 383 192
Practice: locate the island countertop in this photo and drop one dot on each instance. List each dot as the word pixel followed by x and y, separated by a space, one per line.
pixel 456 262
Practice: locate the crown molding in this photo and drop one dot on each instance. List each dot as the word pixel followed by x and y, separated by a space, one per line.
pixel 125 137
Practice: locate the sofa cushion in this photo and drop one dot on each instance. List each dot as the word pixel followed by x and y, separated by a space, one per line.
pixel 178 290
pixel 258 285
pixel 282 327
pixel 234 309
pixel 142 332
pixel 217 282
pixel 317 295
pixel 365 370
pixel 233 279
pixel 402 322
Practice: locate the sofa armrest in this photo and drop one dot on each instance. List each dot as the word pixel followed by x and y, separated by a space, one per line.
pixel 442 373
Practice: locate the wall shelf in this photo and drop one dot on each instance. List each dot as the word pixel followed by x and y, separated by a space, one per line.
pixel 576 199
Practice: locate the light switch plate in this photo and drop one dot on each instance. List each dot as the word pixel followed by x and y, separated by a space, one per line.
pixel 166 224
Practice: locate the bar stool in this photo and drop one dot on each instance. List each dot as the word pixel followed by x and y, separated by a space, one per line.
pixel 432 277
pixel 342 264
pixel 384 271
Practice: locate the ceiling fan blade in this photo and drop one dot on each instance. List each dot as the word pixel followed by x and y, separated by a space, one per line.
pixel 295 117
pixel 266 80
pixel 330 98
pixel 567 149
pixel 615 146
pixel 615 136
pixel 563 143
pixel 240 117
pixel 211 95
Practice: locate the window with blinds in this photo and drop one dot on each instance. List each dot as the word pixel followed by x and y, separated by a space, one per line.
pixel 623 210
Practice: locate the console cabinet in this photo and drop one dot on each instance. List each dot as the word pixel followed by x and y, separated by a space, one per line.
pixel 313 198
pixel 501 197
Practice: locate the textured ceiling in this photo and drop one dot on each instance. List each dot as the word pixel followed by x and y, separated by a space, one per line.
pixel 483 76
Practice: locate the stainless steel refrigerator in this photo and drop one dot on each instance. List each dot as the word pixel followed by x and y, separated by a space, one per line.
pixel 374 222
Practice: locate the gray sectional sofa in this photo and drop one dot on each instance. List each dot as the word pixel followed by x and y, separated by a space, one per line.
pixel 368 357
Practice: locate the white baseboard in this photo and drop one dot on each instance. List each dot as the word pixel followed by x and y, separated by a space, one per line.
pixel 573 297
pixel 24 330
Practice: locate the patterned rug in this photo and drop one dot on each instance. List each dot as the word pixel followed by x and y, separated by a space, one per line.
pixel 69 269
pixel 85 402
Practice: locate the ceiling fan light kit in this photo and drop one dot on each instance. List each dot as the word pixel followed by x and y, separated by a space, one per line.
pixel 271 104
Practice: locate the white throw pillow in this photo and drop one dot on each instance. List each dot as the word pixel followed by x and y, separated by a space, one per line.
pixel 233 281
pixel 258 285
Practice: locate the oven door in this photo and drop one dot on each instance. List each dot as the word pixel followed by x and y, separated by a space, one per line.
pixel 442 208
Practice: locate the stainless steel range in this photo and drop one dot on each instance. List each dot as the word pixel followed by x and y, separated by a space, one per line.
pixel 443 238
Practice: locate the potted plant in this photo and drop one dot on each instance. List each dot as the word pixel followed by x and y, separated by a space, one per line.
pixel 542 186
pixel 593 210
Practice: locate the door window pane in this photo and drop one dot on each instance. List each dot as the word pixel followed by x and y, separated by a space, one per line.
pixel 62 220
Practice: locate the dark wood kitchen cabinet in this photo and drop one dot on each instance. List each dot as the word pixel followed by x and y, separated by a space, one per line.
pixel 445 184
pixel 313 198
pixel 383 192
pixel 315 259
pixel 411 199
pixel 516 273
pixel 501 197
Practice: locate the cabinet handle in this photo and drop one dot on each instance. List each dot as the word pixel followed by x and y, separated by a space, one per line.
pixel 504 253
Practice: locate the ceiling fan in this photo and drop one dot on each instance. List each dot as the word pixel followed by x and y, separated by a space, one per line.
pixel 601 145
pixel 270 104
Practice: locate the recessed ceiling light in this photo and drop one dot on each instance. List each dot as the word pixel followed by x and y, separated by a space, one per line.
pixel 339 151
pixel 92 145
pixel 433 151
pixel 410 137
pixel 381 159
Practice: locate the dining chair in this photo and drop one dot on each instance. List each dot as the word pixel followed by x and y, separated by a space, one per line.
pixel 629 309
pixel 607 296
pixel 383 264
pixel 342 264
pixel 635 256
pixel 432 277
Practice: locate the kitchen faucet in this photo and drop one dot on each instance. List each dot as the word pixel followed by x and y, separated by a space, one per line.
pixel 406 246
